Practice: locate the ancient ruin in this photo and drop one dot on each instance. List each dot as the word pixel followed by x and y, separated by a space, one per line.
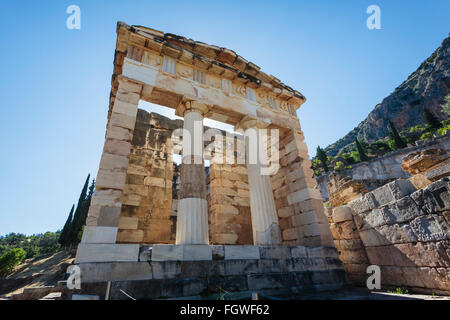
pixel 240 230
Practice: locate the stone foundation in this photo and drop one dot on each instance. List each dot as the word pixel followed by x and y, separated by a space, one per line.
pixel 285 270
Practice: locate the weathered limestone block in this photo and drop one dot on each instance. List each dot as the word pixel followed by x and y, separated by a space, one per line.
pixel 435 197
pixel 422 161
pixel 341 214
pixel 187 252
pixel 431 228
pixel 344 230
pixel 354 256
pixel 99 234
pixel 348 244
pixel 373 237
pixel 130 236
pixel 397 233
pixel 438 173
pixel 392 191
pixel 363 204
pixel 100 252
pixel 402 210
pixel 116 271
pixel 241 252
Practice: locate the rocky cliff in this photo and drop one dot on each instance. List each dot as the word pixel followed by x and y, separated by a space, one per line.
pixel 426 87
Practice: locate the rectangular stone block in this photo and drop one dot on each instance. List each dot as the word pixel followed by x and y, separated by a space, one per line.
pixel 241 266
pixel 97 234
pixel 128 223
pixel 341 214
pixel 275 252
pixel 372 237
pixel 311 230
pixel 303 195
pixel 363 204
pixel 108 216
pixel 117 147
pixel 392 191
pixel 100 252
pixel 108 198
pixel 126 108
pixel 113 162
pixel 107 179
pixel 115 271
pixel 166 269
pixel 169 252
pixel 241 252
pixel 304 219
pixel 130 236
pixel 430 228
pixel 402 210
pixel 299 252
pixel 119 133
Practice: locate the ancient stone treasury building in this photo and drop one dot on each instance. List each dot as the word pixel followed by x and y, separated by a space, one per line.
pixel 235 226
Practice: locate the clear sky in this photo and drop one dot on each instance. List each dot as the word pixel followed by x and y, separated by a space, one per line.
pixel 55 82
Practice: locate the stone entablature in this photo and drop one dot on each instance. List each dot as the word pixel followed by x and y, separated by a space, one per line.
pixel 167 66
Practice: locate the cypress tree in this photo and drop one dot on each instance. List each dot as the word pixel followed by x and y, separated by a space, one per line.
pixel 431 120
pixel 323 158
pixel 362 155
pixel 63 237
pixel 79 216
pixel 399 142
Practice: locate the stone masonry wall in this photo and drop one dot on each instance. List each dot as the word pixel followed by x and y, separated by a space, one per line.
pixel 147 197
pixel 403 230
pixel 230 204
pixel 299 204
pixel 348 243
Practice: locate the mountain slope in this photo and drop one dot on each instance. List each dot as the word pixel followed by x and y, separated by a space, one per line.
pixel 426 87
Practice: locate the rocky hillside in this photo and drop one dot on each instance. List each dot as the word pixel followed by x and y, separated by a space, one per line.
pixel 426 87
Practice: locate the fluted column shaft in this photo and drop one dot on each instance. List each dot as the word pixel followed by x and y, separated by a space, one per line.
pixel 192 220
pixel 266 230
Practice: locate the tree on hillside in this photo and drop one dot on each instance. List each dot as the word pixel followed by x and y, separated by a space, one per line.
pixel 398 141
pixel 80 215
pixel 10 259
pixel 446 105
pixel 64 236
pixel 431 120
pixel 362 154
pixel 323 158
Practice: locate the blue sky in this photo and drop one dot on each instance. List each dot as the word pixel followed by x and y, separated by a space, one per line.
pixel 55 82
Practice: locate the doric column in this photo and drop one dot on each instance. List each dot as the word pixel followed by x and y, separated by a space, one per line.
pixel 262 204
pixel 192 220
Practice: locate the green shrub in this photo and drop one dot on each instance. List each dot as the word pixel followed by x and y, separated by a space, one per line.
pixel 339 166
pixel 443 131
pixel 426 136
pixel 11 259
pixel 391 144
pixel 399 291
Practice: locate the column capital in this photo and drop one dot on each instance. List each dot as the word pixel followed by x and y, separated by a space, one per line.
pixel 191 105
pixel 249 122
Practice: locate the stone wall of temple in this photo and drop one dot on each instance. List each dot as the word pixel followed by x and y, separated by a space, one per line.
pixel 299 204
pixel 230 204
pixel 147 197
